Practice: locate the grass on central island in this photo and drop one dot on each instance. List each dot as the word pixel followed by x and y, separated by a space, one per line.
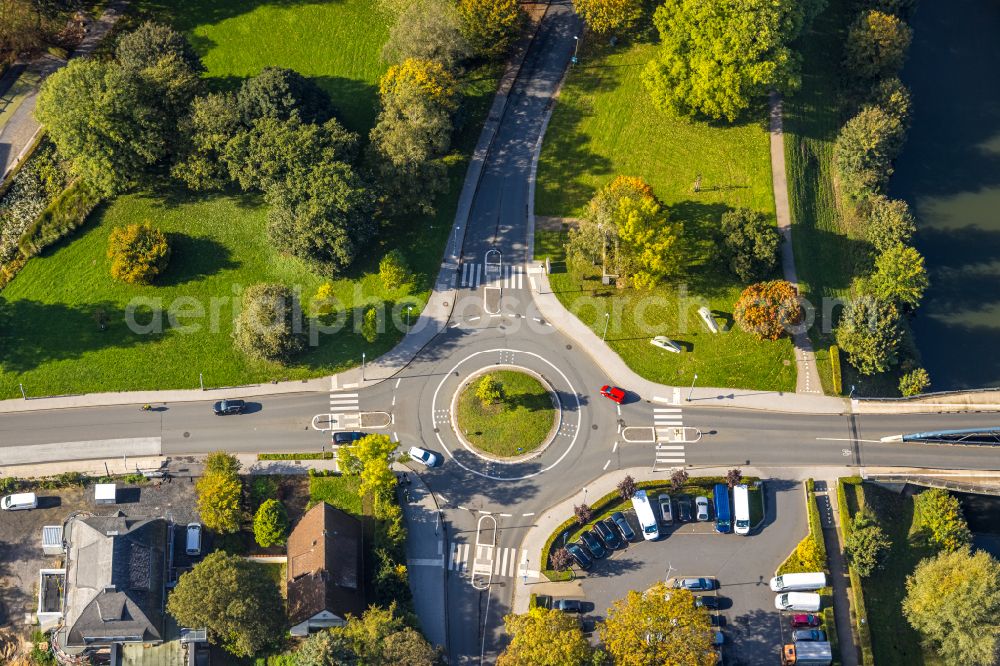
pixel 517 425
pixel 604 125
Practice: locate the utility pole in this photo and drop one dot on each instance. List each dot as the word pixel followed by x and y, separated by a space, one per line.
pixel 363 366
pixel 691 392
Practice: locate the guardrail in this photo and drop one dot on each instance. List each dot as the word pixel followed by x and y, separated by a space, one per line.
pixel 936 482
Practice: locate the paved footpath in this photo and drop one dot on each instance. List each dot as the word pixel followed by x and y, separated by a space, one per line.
pixel 826 501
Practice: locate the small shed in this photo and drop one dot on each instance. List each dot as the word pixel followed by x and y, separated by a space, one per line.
pixel 105 493
pixel 52 540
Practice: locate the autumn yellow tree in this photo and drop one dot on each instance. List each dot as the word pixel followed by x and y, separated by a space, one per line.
pixel 368 458
pixel 608 16
pixel 768 309
pixel 428 76
pixel 490 26
pixel 138 253
pixel 544 637
pixel 219 496
pixel 658 627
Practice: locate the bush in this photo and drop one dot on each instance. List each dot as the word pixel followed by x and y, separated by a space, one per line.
pixel 393 271
pixel 869 332
pixel 835 372
pixel 678 479
pixel 867 545
pixel 627 487
pixel 262 488
pixel 560 559
pixel 750 243
pixel 39 180
pixel 430 30
pixel 369 325
pixel 892 97
pixel 768 309
pixel 914 382
pixel 270 524
pixel 583 513
pixel 489 390
pixel 66 212
pixel 890 222
pixel 490 26
pixel 864 151
pixel 900 276
pixel 877 44
pixel 609 16
pixel 269 326
pixel 138 253
pixel 941 514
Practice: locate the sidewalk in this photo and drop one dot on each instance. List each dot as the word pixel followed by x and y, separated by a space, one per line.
pixel 830 518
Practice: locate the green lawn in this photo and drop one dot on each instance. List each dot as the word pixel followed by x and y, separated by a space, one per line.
pixel 50 339
pixel 516 426
pixel 338 491
pixel 603 125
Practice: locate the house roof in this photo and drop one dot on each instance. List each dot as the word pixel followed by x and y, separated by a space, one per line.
pixel 324 565
pixel 115 580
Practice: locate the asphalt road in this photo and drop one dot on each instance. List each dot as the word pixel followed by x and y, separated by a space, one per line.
pixel 494 322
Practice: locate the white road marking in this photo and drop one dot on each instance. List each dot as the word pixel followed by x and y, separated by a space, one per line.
pixel 848 439
pixel 397 382
pixel 505 515
pixel 619 410
pixel 528 515
pixel 606 464
pixel 615 447
pixel 474 318
pixel 669 447
pixel 534 285
pixel 395 437
pixel 485 513
pixel 427 562
pixel 657 398
pixel 442 498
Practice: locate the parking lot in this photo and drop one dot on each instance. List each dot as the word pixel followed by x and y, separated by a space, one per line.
pixel 21 532
pixel 742 565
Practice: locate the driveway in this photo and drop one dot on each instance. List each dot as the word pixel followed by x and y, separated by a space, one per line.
pixel 742 565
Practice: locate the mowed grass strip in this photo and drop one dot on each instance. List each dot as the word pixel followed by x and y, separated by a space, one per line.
pixel 338 491
pixel 515 426
pixel 604 125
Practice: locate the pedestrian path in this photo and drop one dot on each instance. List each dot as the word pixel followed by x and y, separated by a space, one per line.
pixel 839 579
pixel 501 562
pixel 344 410
pixel 668 422
pixel 473 275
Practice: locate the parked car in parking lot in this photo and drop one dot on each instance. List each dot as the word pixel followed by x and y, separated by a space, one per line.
pixel 684 509
pixel 227 407
pixel 701 504
pixel 808 635
pixel 543 601
pixel 618 518
pixel 665 511
pixel 804 620
pixel 609 534
pixel 593 544
pixel 800 601
pixel 579 555
pixel 708 601
pixel 695 584
pixel 567 605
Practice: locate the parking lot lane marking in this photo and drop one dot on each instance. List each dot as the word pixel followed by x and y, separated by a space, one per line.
pixel 528 515
pixel 606 464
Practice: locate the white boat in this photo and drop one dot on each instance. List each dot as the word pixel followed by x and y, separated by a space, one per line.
pixel 663 342
pixel 706 316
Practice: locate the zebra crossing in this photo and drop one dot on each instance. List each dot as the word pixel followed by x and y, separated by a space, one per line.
pixel 473 275
pixel 345 410
pixel 665 422
pixel 501 562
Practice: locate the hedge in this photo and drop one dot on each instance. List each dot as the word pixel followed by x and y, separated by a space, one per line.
pixel 66 212
pixel 328 455
pixel 837 376
pixel 857 592
pixel 792 563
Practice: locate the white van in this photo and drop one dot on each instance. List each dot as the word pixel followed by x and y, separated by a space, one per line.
pixel 193 539
pixel 644 512
pixel 19 502
pixel 797 582
pixel 798 601
pixel 741 510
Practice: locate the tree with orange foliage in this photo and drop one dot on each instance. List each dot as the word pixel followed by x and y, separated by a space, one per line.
pixel 768 309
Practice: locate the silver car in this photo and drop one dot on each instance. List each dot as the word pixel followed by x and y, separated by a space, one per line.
pixel 424 456
pixel 665 511
pixel 701 508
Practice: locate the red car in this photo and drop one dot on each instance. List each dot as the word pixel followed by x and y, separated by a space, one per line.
pixel 805 621
pixel 613 393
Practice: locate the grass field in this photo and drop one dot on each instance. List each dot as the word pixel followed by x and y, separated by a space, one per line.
pixel 338 491
pixel 514 427
pixel 51 339
pixel 604 126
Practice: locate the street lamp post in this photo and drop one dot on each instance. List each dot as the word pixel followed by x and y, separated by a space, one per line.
pixel 691 392
pixel 576 48
pixel 607 319
pixel 408 308
pixel 363 366
pixel 585 494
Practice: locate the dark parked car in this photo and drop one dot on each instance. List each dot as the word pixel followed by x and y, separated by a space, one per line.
pixel 543 601
pixel 710 602
pixel 567 605
pixel 803 620
pixel 609 534
pixel 227 407
pixel 715 619
pixel 618 518
pixel 579 555
pixel 808 635
pixel 593 544
pixel 346 437
pixel 684 509
pixel 695 584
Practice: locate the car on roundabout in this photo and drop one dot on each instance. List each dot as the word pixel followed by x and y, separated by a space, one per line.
pixel 613 393
pixel 424 456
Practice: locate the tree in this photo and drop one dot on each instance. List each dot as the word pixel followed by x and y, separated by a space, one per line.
pixel 222 462
pixel 369 324
pixel 325 648
pixel 234 599
pixel 734 477
pixel 489 390
pixel 877 44
pixel 609 16
pixel 150 43
pixel 658 626
pixel 750 243
pixel 627 487
pixel 379 636
pixel 560 559
pixel 212 122
pixel 583 513
pixel 219 501
pixel 369 458
pixel 953 600
pixel 914 382
pixel 867 544
pixel 544 637
pixel 138 253
pixel 280 94
pixel 270 524
pixel 768 309
pixel 269 325
pixel 717 58
pixel 890 222
pixel 941 514
pixel 427 30
pixel 864 151
pixel 892 97
pixel 490 26
pixel 678 479
pixel 900 276
pixel 393 271
pixel 869 333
